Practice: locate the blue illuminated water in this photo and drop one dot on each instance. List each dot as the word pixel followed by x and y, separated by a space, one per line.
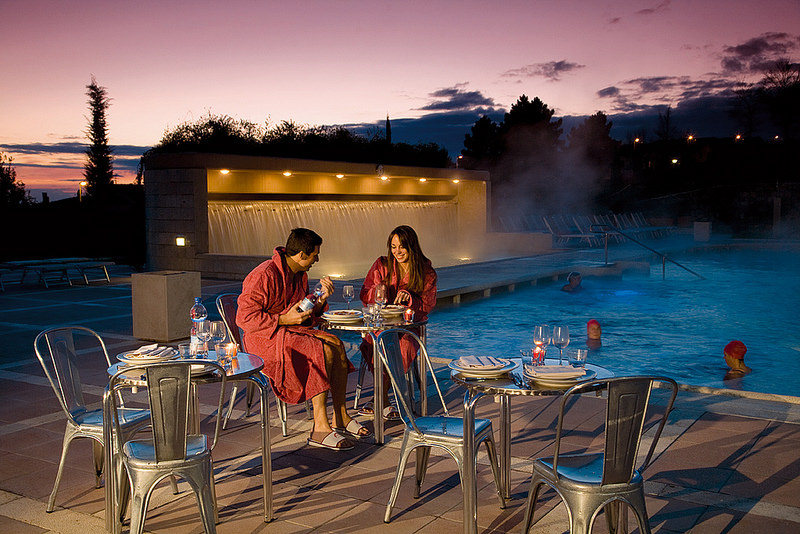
pixel 675 327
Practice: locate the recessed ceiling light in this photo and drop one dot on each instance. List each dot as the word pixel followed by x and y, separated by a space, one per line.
pixel 287 173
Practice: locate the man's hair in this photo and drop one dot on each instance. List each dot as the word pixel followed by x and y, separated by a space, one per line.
pixel 302 240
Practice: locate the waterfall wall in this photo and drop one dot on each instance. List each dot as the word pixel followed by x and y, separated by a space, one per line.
pixel 354 233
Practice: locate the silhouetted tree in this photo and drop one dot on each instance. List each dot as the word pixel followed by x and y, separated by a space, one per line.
pixel 591 140
pixel 781 86
pixel 12 192
pixel 745 108
pixel 483 144
pixel 98 169
pixel 666 127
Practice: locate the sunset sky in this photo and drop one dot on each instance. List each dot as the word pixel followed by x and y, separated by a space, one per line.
pixel 433 66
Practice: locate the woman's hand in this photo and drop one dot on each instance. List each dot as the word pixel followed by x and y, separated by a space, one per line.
pixel 403 297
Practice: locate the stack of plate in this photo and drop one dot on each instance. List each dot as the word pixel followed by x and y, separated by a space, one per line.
pixel 558 375
pixel 147 354
pixel 482 366
pixel 393 309
pixel 343 316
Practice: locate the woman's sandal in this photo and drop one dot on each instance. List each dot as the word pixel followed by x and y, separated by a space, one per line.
pixel 355 429
pixel 333 441
pixel 389 412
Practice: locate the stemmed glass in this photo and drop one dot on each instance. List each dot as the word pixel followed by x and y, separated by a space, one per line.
pixel 348 294
pixel 541 338
pixel 380 295
pixel 217 332
pixel 561 340
pixel 203 335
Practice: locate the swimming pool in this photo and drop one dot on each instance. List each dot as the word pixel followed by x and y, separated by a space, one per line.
pixel 676 327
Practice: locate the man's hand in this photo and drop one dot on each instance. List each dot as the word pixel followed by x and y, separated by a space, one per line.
pixel 294 315
pixel 327 288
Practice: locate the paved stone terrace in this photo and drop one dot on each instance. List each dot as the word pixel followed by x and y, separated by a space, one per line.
pixel 724 464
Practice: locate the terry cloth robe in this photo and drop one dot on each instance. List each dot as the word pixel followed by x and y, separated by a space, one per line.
pixel 422 303
pixel 293 356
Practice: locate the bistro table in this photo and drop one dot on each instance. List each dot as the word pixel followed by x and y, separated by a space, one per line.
pixel 512 384
pixel 243 366
pixel 389 321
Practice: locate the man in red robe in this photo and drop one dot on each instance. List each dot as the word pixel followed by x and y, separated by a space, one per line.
pixel 301 361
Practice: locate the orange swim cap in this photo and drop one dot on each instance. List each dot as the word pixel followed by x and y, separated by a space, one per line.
pixel 735 349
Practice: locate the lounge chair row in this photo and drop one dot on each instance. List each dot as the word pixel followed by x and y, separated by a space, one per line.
pixel 54 270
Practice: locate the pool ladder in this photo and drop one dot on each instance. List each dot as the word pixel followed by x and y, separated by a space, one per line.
pixel 606 229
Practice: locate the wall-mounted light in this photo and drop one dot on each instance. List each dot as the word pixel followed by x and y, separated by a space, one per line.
pixel 287 173
pixel 180 241
pixel 224 171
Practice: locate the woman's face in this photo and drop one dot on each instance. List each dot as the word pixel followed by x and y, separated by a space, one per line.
pixel 399 251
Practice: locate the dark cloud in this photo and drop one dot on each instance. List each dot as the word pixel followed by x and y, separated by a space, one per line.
pixel 758 54
pixel 552 70
pixel 608 92
pixel 658 8
pixel 456 98
pixel 125 156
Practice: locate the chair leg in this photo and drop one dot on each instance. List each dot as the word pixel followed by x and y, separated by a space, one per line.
pixel 68 435
pixel 282 415
pixel 492 452
pixel 362 371
pixel 251 395
pixel 234 391
pixel 423 453
pixel 398 478
pixel 309 411
pixel 533 495
pixel 97 454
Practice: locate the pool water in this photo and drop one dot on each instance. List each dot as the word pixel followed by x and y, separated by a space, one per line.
pixel 676 327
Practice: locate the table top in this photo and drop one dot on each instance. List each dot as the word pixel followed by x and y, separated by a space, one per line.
pixel 242 365
pixel 360 326
pixel 515 383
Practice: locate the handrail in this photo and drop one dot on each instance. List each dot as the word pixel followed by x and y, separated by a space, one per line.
pixel 603 229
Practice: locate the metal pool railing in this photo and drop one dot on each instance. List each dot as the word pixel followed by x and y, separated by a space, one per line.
pixel 606 229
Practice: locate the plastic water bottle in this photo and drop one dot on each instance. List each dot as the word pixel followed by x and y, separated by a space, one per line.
pixel 198 313
pixel 309 302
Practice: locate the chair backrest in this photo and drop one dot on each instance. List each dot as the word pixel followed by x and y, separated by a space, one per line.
pixel 227 305
pixel 627 401
pixel 168 391
pixel 57 353
pixel 388 349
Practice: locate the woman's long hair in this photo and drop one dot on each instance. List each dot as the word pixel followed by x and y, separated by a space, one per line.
pixel 416 259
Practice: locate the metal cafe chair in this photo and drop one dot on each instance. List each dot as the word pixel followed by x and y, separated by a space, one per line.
pixel 227 305
pixel 60 359
pixel 424 432
pixel 608 479
pixel 171 451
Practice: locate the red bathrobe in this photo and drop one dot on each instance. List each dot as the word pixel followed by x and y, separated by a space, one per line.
pixel 422 303
pixel 293 357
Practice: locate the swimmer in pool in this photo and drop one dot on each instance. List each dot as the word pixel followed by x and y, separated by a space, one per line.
pixel 573 284
pixel 593 333
pixel 734 356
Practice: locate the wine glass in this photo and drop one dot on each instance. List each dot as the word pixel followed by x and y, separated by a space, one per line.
pixel 203 335
pixel 541 338
pixel 380 295
pixel 348 294
pixel 561 340
pixel 217 332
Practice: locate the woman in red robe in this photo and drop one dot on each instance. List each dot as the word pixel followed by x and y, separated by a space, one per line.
pixel 410 280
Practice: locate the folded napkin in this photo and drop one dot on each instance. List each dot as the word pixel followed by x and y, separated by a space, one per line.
pixel 554 371
pixel 481 362
pixel 152 351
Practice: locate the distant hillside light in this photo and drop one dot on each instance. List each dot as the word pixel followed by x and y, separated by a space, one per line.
pixel 738 137
pixel 674 161
pixel 690 138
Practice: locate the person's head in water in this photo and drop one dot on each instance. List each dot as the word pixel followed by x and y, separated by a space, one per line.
pixel 734 356
pixel 573 282
pixel 593 333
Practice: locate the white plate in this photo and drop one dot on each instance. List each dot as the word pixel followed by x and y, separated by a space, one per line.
pixel 554 382
pixel 393 309
pixel 132 357
pixel 343 316
pixel 474 372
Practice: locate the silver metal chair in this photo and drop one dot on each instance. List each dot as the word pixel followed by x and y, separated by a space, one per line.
pixel 61 361
pixel 227 305
pixel 610 478
pixel 424 432
pixel 171 451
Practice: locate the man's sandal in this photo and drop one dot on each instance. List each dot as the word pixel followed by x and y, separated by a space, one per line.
pixel 332 441
pixel 354 429
pixel 389 412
